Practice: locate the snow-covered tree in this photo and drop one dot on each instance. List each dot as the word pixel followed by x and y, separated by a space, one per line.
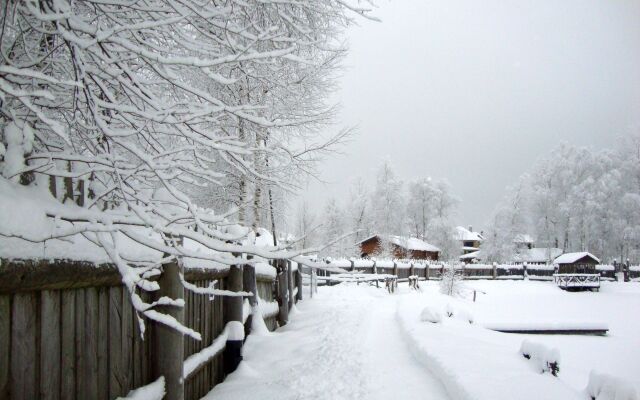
pixel 150 102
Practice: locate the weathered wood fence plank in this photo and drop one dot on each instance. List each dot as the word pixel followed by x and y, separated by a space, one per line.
pixel 50 336
pixel 5 345
pixel 24 362
pixel 68 346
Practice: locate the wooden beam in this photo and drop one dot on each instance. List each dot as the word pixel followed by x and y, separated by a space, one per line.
pixel 30 275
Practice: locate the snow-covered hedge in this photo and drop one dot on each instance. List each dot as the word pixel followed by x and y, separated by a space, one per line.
pixel 546 359
pixel 606 387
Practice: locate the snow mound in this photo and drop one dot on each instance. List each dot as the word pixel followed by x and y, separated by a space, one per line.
pixel 430 314
pixel 546 359
pixel 606 387
pixel 152 391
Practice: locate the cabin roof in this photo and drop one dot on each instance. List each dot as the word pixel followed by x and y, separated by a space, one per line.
pixel 570 258
pixel 409 243
pixel 464 234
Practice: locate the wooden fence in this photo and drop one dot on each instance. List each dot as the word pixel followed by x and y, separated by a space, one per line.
pixel 68 330
pixel 426 269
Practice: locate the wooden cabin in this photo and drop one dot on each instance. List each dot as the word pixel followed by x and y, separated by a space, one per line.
pixel 402 247
pixel 577 263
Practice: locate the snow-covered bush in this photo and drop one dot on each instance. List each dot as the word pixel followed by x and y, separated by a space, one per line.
pixel 606 387
pixel 464 315
pixel 546 359
pixel 429 314
pixel 451 282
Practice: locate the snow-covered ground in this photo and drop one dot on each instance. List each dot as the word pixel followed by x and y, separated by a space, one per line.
pixel 357 342
pixel 343 344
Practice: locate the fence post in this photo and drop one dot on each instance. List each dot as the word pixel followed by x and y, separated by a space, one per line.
pixel 249 285
pixel 353 265
pixel 411 269
pixel 494 272
pixel 290 285
pixel 283 286
pixel 168 355
pixel 299 283
pixel 233 319
pixel 395 269
pixel 426 271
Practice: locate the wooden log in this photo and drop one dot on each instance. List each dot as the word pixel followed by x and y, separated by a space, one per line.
pixel 68 189
pixel 233 313
pixel 24 345
pixel 68 345
pixel 103 344
pixel 90 339
pixel 116 373
pixel 290 297
pixel 81 193
pixel 299 283
pixel 249 284
pixel 126 336
pixel 50 334
pixel 52 186
pixel 5 345
pixel 168 356
pixel 282 290
pixel 81 350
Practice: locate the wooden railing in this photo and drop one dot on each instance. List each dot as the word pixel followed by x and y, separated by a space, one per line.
pixel 68 330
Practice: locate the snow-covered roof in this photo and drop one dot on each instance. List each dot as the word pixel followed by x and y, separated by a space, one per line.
pixel 538 254
pixel 569 258
pixel 523 238
pixel 476 255
pixel 465 234
pixel 411 243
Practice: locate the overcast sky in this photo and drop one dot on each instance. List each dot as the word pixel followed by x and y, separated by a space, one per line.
pixel 475 91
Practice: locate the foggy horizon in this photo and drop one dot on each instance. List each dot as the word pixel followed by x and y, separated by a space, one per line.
pixel 476 93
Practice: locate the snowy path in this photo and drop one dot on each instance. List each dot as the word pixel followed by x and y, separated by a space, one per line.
pixel 343 344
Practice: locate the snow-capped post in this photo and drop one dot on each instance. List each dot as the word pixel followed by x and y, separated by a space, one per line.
pixel 233 317
pixel 411 269
pixel 375 270
pixel 494 270
pixel 299 283
pixel 426 271
pixel 283 285
pixel 290 285
pixel 525 274
pixel 168 359
pixel 395 268
pixel 249 285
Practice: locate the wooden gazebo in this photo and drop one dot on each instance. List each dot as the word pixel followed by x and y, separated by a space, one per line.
pixel 577 271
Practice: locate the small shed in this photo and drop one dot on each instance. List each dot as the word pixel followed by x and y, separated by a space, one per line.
pixel 577 263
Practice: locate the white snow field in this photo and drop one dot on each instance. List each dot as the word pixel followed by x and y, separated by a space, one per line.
pixel 358 342
pixel 342 344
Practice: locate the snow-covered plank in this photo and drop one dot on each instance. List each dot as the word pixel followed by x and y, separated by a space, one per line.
pixel 551 328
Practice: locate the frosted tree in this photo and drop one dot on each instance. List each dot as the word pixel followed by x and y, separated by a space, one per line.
pixel 451 282
pixel 575 199
pixel 388 207
pixel 150 102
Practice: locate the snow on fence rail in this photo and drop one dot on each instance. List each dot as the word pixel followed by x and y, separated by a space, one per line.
pixel 75 321
pixel 429 269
